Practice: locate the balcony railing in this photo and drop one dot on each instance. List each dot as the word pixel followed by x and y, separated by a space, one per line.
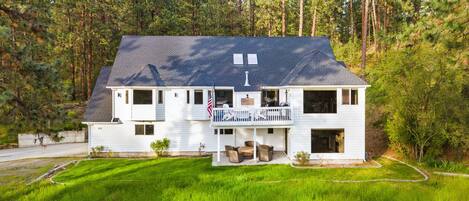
pixel 264 116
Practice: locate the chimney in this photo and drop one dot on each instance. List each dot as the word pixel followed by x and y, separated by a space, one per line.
pixel 246 83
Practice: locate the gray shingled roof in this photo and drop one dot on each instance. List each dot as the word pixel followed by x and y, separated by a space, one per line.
pixel 208 60
pixel 99 107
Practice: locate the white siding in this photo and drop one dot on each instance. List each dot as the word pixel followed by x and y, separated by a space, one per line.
pixel 351 118
pixel 187 125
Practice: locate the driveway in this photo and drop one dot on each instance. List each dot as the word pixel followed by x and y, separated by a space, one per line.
pixel 57 150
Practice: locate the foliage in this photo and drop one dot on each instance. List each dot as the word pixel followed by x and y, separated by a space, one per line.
pixel 160 146
pixel 421 83
pixel 95 151
pixel 302 157
pixel 447 165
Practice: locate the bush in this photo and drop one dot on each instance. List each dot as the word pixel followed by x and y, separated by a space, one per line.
pixel 302 157
pixel 96 150
pixel 445 165
pixel 160 146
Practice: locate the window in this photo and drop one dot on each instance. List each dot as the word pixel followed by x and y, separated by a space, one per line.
pixel 160 97
pixel 223 131
pixel 327 141
pixel 238 59
pixel 188 97
pixel 270 98
pixel 223 97
pixel 345 96
pixel 354 97
pixel 270 131
pixel 144 129
pixel 143 97
pixel 252 58
pixel 126 96
pixel 198 97
pixel 349 97
pixel 320 102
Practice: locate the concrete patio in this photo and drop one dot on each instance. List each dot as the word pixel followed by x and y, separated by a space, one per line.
pixel 279 158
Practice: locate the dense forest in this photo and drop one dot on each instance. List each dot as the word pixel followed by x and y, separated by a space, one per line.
pixel 413 53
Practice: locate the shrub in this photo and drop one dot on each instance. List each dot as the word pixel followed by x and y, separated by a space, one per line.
pixel 160 146
pixel 96 150
pixel 302 157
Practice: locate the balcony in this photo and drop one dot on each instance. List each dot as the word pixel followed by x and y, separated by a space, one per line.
pixel 264 116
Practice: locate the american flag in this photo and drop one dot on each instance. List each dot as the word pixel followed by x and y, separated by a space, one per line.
pixel 210 105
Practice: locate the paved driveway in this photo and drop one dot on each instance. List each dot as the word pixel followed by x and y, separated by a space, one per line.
pixel 58 150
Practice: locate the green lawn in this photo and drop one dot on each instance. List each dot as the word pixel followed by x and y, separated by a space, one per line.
pixel 195 179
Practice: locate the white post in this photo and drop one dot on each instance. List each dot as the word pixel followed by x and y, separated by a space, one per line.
pixel 255 144
pixel 218 145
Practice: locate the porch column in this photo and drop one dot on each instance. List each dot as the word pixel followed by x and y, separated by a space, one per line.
pixel 255 144
pixel 218 145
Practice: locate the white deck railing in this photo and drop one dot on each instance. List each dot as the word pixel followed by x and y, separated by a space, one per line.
pixel 268 116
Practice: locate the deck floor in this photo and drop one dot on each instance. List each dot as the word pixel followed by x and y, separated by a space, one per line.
pixel 279 158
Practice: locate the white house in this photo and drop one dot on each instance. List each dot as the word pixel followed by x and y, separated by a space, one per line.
pixel 288 92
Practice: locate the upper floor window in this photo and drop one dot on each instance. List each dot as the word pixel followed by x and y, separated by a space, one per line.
pixel 320 101
pixel 144 97
pixel 160 97
pixel 223 97
pixel 126 96
pixel 270 98
pixel 188 96
pixel 349 97
pixel 198 97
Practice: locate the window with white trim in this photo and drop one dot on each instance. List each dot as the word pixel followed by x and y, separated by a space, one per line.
pixel 144 129
pixel 349 97
pixel 226 131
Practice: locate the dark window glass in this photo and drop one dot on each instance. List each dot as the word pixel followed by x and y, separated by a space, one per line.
pixel 354 97
pixel 270 131
pixel 160 97
pixel 327 141
pixel 143 97
pixel 139 129
pixel 345 96
pixel 198 97
pixel 270 98
pixel 320 102
pixel 223 97
pixel 149 129
pixel 126 96
pixel 188 96
pixel 223 131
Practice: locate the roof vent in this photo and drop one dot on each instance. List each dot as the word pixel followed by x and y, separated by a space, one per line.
pixel 238 59
pixel 252 59
pixel 246 82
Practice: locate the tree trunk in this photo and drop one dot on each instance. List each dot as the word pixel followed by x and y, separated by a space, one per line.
pixel 283 18
pixel 252 6
pixel 300 28
pixel 352 25
pixel 364 31
pixel 374 23
pixel 314 25
pixel 90 57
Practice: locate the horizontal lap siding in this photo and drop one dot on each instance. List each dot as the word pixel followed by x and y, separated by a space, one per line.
pixel 349 118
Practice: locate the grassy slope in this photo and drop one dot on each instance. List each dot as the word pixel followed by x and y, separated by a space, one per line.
pixel 183 179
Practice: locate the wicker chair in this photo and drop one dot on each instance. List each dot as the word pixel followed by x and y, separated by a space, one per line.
pixel 228 148
pixel 234 156
pixel 266 152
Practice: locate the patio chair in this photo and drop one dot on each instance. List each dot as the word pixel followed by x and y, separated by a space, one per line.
pixel 266 152
pixel 234 156
pixel 228 148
